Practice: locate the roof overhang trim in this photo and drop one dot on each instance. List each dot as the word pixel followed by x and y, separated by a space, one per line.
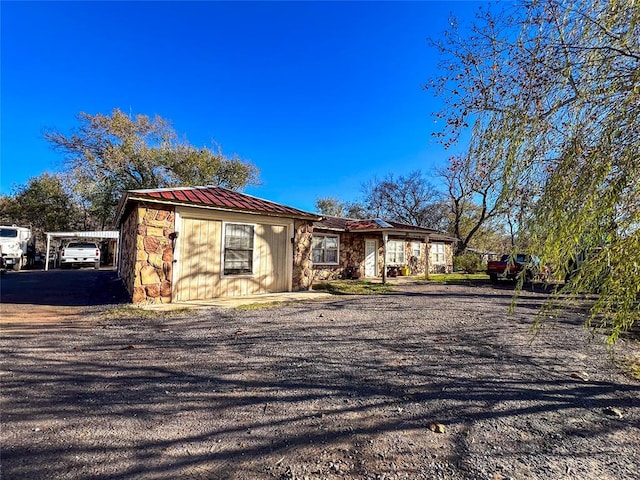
pixel 93 234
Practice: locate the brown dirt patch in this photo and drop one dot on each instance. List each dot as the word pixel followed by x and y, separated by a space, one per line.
pixel 27 316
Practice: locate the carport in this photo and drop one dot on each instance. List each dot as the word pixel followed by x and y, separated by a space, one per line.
pixel 95 235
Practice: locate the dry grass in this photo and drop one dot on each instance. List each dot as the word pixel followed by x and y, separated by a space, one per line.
pixel 630 364
pixel 353 287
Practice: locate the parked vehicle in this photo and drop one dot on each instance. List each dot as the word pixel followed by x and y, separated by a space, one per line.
pixel 80 253
pixel 53 258
pixel 14 243
pixel 509 268
pixel 3 264
pixel 594 255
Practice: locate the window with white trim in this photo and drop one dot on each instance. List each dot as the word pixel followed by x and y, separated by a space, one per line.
pixel 415 250
pixel 395 252
pixel 238 249
pixel 437 254
pixel 325 249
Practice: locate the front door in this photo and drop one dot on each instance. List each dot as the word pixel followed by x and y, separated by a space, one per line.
pixel 370 258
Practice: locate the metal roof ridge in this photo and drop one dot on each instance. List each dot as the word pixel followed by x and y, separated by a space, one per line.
pixel 205 187
pixel 163 189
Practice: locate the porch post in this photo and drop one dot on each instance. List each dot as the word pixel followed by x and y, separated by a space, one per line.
pixel 116 252
pixel 428 254
pixel 46 261
pixel 385 238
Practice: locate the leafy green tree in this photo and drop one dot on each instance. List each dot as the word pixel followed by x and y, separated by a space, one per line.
pixel 550 91
pixel 109 154
pixel 492 235
pixel 330 206
pixel 42 203
pixel 8 210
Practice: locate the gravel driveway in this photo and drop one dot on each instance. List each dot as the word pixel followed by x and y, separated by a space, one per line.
pixel 432 382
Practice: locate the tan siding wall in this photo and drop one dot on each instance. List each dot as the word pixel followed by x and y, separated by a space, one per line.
pixel 199 268
pixel 270 265
pixel 198 275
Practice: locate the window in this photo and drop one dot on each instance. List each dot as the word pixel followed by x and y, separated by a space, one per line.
pixel 415 250
pixel 325 249
pixel 8 233
pixel 395 252
pixel 81 245
pixel 238 249
pixel 437 254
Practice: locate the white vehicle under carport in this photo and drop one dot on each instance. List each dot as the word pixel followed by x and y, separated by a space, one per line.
pixel 80 253
pixel 14 242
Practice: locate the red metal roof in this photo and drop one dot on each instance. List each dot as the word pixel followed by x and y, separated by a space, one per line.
pixel 218 197
pixel 376 225
pixel 333 223
pixel 354 225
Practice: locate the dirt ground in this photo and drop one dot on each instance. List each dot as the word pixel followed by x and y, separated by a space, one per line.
pixel 431 382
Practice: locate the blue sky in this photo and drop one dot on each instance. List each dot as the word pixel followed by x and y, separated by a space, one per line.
pixel 320 96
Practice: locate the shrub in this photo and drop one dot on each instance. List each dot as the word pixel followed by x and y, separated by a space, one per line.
pixel 467 262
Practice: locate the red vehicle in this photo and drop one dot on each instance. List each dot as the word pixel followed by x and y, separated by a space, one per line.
pixel 508 268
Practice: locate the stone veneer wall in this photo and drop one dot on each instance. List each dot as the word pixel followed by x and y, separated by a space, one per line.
pixel 127 261
pixel 351 255
pixel 417 267
pixel 448 258
pixel 154 255
pixel 352 251
pixel 302 264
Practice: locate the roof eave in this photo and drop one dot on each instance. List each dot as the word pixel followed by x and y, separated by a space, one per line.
pixel 332 229
pixel 392 231
pixel 120 209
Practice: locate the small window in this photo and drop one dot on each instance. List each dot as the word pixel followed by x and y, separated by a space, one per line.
pixel 415 249
pixel 81 245
pixel 325 249
pixel 395 252
pixel 437 254
pixel 238 249
pixel 8 233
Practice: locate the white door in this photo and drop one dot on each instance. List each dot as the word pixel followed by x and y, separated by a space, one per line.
pixel 370 258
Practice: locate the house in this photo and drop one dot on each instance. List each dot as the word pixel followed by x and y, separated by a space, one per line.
pixel 182 244
pixel 199 243
pixel 344 247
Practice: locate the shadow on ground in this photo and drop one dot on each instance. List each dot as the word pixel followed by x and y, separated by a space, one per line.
pixel 338 388
pixel 75 287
